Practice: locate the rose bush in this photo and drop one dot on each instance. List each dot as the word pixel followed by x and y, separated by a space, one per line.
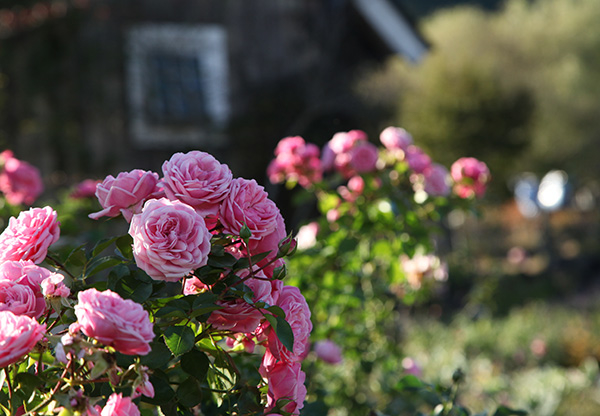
pixel 172 315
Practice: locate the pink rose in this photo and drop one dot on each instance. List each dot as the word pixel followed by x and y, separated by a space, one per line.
pixel 436 180
pixel 395 138
pixel 193 286
pixel 28 236
pixel 18 336
pixel 108 318
pixel 417 159
pixel 126 193
pixel 198 179
pixel 19 181
pixel 286 381
pixel 25 272
pixel 297 314
pixel 410 366
pixel 295 160
pixel 364 157
pixel 170 239
pixel 328 351
pixel 336 151
pixel 85 189
pixel 53 287
pixel 248 204
pixel 20 299
pixel 307 235
pixel 470 177
pixel 236 314
pixel 269 243
pixel 117 405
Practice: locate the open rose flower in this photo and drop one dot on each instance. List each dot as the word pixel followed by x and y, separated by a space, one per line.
pixel 363 157
pixel 18 336
pixel 170 239
pixel 417 159
pixel 117 405
pixel 28 236
pixel 248 204
pixel 53 286
pixel 394 138
pixel 85 189
pixel 286 381
pixel 295 160
pixel 126 193
pixel 328 351
pixel 20 182
pixel 297 314
pixel 470 176
pixel 198 179
pixel 114 321
pixel 20 299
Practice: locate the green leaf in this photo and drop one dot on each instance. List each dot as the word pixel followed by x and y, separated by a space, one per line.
pixel 276 310
pixel 409 382
pixel 506 411
pixel 101 263
pixel 189 392
pixel 163 392
pixel 179 339
pixel 284 333
pixel 223 261
pixel 195 363
pixel 101 245
pixel 125 246
pixel 158 357
pixel 26 383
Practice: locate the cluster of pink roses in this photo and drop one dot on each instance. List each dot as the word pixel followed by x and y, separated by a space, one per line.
pixel 351 154
pixel 172 220
pixel 20 182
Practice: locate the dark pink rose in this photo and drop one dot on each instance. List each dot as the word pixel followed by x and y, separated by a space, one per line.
pixel 117 405
pixel 18 336
pixel 417 159
pixel 364 157
pixel 126 193
pixel 20 182
pixel 28 236
pixel 20 299
pixel 470 176
pixel 170 239
pixel 85 189
pixel 286 381
pixel 394 138
pixel 236 314
pixel 297 161
pixel 197 179
pixel 248 204
pixel 328 351
pixel 114 321
pixel 297 314
pixel 436 180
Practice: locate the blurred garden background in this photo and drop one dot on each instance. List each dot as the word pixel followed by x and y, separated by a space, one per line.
pixel 94 87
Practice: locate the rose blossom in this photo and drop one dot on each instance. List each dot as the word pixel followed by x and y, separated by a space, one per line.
pixel 122 324
pixel 19 181
pixel 470 177
pixel 336 152
pixel 417 159
pixel 198 179
pixel 18 336
pixel 248 204
pixel 170 239
pixel 436 180
pixel 328 351
pixel 28 236
pixel 126 193
pixel 364 157
pixel 295 160
pixel 117 405
pixel 297 314
pixel 20 299
pixel 53 286
pixel 85 189
pixel 395 138
pixel 286 381
pixel 236 314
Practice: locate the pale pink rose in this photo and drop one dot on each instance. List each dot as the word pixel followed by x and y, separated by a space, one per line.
pixel 328 351
pixel 297 161
pixel 25 272
pixel 336 151
pixel 20 299
pixel 126 193
pixel 54 287
pixel 170 239
pixel 19 181
pixel 286 381
pixel 297 314
pixel 307 235
pixel 395 138
pixel 333 215
pixel 18 336
pixel 364 157
pixel 436 179
pixel 117 405
pixel 193 286
pixel 114 321
pixel 236 314
pixel 85 189
pixel 248 204
pixel 198 179
pixel 28 236
pixel 353 190
pixel 417 159
pixel 470 176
